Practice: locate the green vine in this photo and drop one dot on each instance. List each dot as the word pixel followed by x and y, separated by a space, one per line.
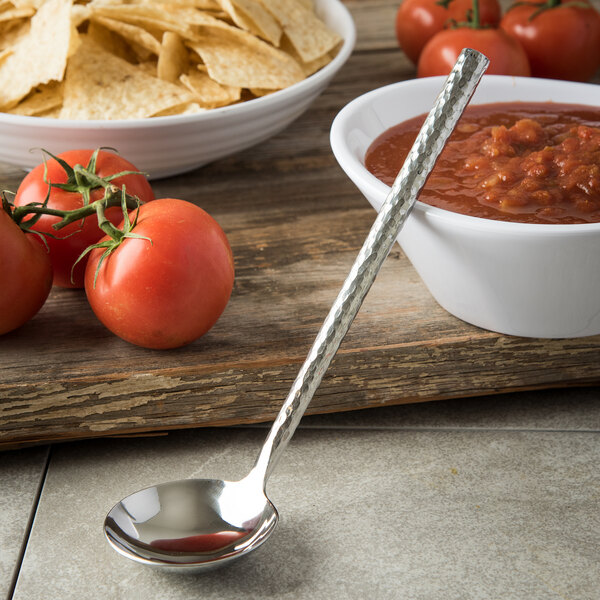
pixel 112 197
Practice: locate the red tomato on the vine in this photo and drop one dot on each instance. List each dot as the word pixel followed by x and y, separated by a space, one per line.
pixel 417 21
pixel 25 274
pixel 73 239
pixel 169 291
pixel 561 39
pixel 506 55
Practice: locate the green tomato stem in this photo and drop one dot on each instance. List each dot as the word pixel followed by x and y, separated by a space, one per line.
pixel 112 197
pixel 103 223
pixel 475 18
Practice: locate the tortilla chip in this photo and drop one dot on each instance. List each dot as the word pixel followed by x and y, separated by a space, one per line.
pixel 13 31
pixel 110 41
pixel 53 113
pixel 148 67
pixel 14 24
pixel 35 4
pixel 99 85
pixel 130 33
pixel 199 4
pixel 259 92
pixel 310 67
pixel 41 55
pixel 173 57
pixel 190 108
pixel 310 37
pixel 235 57
pixel 41 100
pixel 209 93
pixel 152 17
pixel 16 13
pixel 79 14
pixel 4 54
pixel 251 16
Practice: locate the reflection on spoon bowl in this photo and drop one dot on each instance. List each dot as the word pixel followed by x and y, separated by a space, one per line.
pixel 194 523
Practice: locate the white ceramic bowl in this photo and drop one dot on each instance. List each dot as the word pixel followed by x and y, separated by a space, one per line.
pixel 164 146
pixel 514 278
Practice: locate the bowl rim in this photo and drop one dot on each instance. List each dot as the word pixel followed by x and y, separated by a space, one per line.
pixel 356 170
pixel 346 25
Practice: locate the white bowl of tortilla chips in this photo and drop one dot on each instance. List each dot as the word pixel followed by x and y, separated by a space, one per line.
pixel 172 85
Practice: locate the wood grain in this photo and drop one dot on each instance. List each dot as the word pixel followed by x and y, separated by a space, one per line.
pixel 295 224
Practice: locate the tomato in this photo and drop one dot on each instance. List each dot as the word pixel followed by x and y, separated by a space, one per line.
pixel 417 21
pixel 506 55
pixel 73 239
pixel 561 39
pixel 168 292
pixel 25 274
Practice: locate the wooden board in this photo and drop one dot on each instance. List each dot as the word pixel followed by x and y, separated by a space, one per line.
pixel 295 224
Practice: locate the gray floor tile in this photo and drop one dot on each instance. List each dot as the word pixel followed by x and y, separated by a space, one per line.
pixel 365 514
pixel 20 475
pixel 554 410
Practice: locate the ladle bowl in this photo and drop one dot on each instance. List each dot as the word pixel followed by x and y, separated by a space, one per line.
pixel 175 530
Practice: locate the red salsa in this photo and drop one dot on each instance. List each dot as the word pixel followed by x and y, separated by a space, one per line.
pixel 518 161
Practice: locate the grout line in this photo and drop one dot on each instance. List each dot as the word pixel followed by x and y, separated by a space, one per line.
pixel 427 429
pixel 29 526
pixel 457 429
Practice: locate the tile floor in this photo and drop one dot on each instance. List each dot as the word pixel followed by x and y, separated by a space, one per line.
pixel 481 498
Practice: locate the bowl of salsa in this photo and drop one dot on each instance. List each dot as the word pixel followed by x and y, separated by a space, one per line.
pixel 506 232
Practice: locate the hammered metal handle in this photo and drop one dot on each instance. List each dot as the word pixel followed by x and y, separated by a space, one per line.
pixel 438 126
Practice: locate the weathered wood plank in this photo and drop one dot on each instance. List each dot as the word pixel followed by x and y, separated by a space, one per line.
pixel 295 224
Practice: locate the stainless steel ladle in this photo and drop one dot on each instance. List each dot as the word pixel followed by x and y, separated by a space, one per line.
pixel 198 524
